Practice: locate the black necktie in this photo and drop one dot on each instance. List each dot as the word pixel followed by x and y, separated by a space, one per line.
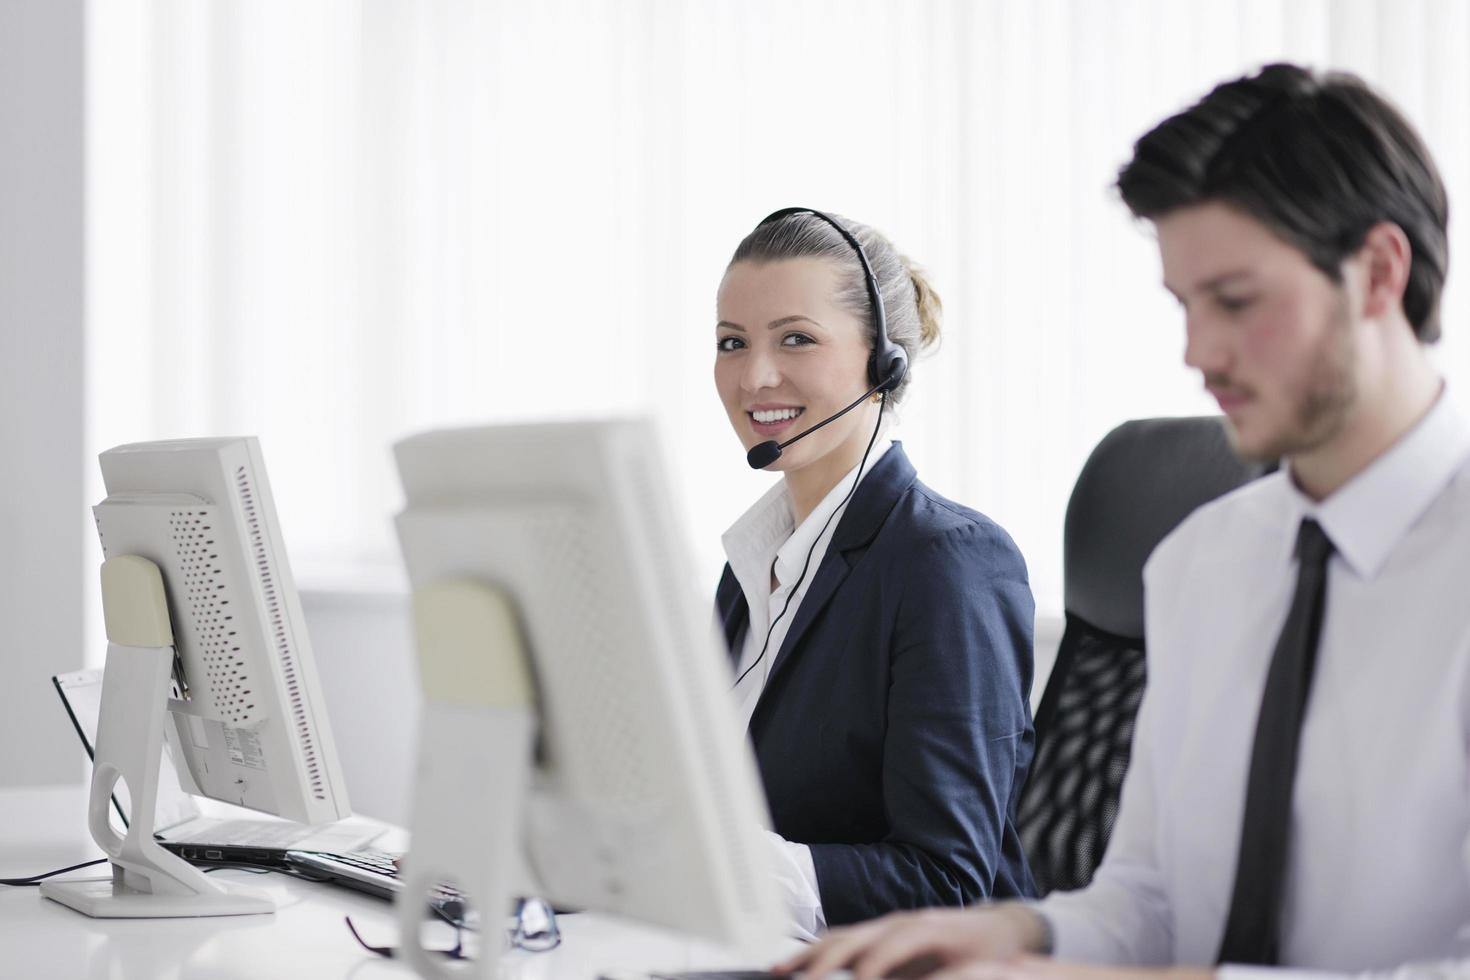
pixel 1252 933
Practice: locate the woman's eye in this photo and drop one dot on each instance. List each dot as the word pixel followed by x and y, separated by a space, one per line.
pixel 727 344
pixel 796 340
pixel 1235 304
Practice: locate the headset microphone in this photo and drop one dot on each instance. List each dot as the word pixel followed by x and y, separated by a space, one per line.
pixel 862 465
pixel 887 365
pixel 763 454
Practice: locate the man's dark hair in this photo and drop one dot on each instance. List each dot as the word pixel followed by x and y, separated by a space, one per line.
pixel 1318 159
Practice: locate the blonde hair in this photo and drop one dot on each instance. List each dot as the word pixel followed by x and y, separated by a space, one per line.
pixel 910 303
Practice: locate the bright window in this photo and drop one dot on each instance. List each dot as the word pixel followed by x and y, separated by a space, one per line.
pixel 335 223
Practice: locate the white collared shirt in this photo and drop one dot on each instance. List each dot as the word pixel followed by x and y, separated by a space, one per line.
pixel 1379 866
pixel 762 543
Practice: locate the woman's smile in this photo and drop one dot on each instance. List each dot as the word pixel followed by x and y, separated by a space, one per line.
pixel 768 421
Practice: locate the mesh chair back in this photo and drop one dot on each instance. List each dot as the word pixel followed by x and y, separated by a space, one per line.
pixel 1140 482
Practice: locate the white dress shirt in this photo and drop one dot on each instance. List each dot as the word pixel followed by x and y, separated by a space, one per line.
pixel 763 543
pixel 1378 879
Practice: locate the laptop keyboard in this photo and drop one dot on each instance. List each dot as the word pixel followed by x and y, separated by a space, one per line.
pixel 244 833
pixel 373 872
pixel 379 862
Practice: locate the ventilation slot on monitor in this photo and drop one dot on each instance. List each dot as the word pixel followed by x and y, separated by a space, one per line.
pixel 192 534
pixel 278 633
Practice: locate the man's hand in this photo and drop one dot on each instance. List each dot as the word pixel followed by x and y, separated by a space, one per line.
pixel 915 944
pixel 1043 968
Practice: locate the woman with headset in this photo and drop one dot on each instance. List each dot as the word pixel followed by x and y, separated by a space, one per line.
pixel 880 633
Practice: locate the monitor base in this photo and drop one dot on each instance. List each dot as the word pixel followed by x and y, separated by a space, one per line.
pixel 104 898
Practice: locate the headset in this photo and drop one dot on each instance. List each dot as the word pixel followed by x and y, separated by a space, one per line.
pixel 886 369
pixel 886 366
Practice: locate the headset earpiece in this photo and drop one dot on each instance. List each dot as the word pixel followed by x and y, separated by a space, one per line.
pixel 888 365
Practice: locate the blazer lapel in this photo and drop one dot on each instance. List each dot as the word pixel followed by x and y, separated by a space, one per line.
pixel 865 514
pixel 730 604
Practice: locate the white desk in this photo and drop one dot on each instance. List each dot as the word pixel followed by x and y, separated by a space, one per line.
pixel 45 828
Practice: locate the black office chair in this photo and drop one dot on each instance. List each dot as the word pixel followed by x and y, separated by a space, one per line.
pixel 1140 482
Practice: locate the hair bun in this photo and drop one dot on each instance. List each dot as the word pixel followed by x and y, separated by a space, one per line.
pixel 926 299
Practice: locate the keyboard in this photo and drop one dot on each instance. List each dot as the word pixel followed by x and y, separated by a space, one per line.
pixel 532 926
pixel 372 872
pixel 378 864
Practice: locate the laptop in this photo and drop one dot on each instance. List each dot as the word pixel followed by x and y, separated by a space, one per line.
pixel 339 853
pixel 182 825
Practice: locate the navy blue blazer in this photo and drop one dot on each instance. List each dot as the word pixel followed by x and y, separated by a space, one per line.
pixel 894 731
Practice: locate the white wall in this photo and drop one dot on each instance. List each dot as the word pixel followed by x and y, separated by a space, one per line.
pixel 43 518
pixel 364 658
pixel 393 215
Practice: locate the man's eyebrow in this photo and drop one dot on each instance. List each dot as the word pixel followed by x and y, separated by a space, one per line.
pixel 1215 282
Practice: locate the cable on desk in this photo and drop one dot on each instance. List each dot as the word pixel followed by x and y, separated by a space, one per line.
pixel 37 879
pixel 260 869
pixel 254 868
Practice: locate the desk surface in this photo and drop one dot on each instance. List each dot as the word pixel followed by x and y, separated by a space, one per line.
pixel 45 828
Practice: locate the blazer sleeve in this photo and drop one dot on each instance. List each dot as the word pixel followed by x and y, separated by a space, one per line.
pixel 958 736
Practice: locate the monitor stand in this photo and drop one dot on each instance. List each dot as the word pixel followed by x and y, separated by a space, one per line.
pixel 147 881
pixel 476 735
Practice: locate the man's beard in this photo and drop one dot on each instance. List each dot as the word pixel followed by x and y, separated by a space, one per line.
pixel 1320 404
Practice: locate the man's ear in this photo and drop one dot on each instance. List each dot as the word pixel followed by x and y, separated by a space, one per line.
pixel 1384 257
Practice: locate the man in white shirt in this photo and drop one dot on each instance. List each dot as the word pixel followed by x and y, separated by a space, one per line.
pixel 1299 794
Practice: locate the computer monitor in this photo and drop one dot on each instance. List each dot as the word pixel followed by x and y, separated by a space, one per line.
pixel 578 738
pixel 207 649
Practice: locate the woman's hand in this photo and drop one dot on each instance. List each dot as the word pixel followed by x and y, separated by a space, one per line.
pixel 915 944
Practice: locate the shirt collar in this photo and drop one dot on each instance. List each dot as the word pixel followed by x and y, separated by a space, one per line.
pixel 1368 516
pixel 753 539
pixel 792 555
pixel 756 538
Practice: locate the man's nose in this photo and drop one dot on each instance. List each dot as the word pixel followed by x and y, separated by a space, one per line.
pixel 1206 346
